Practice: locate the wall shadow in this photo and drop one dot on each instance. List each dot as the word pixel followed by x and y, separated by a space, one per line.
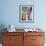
pixel 2 29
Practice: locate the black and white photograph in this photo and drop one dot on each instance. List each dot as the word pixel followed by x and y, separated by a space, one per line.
pixel 26 13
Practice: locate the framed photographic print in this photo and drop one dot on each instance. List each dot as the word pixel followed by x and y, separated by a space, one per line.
pixel 26 13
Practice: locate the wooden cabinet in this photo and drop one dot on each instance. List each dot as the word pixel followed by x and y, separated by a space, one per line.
pixel 23 39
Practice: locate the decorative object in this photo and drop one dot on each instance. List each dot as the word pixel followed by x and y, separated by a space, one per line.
pixel 26 13
pixel 11 28
pixel 32 30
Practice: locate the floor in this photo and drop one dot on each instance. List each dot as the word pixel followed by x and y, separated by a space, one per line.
pixel 0 44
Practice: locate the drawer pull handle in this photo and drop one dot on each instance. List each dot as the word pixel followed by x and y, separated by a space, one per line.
pixel 33 39
pixel 10 38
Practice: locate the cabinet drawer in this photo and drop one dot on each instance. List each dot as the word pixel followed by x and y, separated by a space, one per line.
pixel 20 44
pixel 37 39
pixel 34 33
pixel 8 45
pixel 13 33
pixel 12 39
pixel 37 44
